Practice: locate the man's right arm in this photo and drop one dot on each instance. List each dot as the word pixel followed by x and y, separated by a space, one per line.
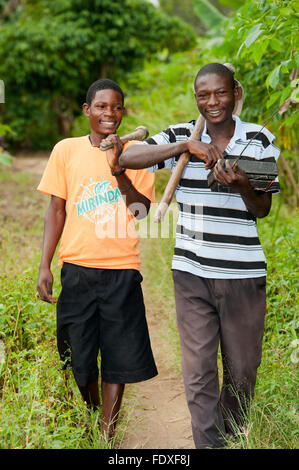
pixel 144 156
pixel 54 223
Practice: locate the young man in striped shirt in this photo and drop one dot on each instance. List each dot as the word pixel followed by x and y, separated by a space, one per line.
pixel 219 268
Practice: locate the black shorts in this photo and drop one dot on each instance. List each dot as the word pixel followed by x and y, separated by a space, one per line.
pixel 103 310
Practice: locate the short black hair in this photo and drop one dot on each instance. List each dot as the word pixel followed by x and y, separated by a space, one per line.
pixel 103 84
pixel 217 68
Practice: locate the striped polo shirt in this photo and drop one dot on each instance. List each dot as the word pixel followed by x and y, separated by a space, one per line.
pixel 216 236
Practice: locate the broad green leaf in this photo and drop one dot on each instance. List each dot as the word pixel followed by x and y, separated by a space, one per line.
pixel 295 96
pixel 207 13
pixel 286 93
pixel 292 119
pixel 259 50
pixel 284 66
pixel 5 159
pixel 273 98
pixel 4 129
pixel 275 44
pixel 240 51
pixel 286 11
pixel 273 77
pixel 253 34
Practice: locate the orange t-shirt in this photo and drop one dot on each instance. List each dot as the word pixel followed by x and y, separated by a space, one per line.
pixel 99 230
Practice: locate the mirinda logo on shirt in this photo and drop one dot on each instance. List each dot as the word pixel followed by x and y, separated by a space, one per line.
pixel 98 201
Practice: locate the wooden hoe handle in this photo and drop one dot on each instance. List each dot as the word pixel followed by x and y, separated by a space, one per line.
pixel 177 173
pixel 140 133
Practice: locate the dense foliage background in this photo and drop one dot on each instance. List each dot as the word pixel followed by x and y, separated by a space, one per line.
pixel 50 52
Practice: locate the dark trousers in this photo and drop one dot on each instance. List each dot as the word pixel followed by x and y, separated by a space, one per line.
pixel 212 311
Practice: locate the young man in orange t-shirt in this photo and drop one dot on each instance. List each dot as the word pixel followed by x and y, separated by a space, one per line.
pixel 100 307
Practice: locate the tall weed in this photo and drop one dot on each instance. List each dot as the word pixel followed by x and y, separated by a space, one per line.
pixel 39 406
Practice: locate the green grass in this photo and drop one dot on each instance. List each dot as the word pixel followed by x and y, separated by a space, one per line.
pixel 39 409
pixel 273 417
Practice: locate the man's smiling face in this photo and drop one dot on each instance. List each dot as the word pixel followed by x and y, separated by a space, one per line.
pixel 105 112
pixel 215 97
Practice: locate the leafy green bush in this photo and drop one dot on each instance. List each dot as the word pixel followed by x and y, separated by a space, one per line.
pixel 5 158
pixel 155 97
pixel 261 41
pixel 52 51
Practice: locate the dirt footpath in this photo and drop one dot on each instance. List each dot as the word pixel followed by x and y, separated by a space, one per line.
pixel 35 165
pixel 158 417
